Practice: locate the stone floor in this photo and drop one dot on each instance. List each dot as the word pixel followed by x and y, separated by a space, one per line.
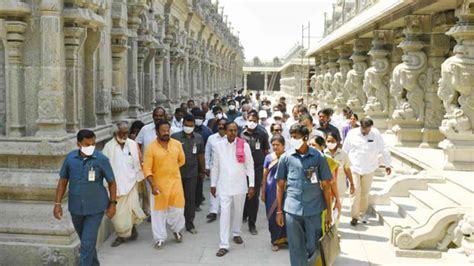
pixel 363 245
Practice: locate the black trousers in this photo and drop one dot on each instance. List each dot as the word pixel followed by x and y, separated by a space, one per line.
pixel 199 192
pixel 251 206
pixel 189 187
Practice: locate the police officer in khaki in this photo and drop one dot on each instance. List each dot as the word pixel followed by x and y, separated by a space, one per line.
pixel 84 169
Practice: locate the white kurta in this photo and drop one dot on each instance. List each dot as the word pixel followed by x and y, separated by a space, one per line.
pixel 212 141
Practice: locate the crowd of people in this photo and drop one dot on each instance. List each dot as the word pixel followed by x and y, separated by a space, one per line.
pixel 300 163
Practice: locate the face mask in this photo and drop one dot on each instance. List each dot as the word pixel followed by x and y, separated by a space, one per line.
pixel 251 125
pixel 265 107
pixel 199 122
pixel 219 116
pixel 296 143
pixel 312 111
pixel 188 130
pixel 232 107
pixel 88 151
pixel 331 145
pixel 121 141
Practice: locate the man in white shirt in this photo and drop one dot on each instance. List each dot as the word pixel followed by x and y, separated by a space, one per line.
pixel 177 123
pixel 148 133
pixel 363 145
pixel 241 121
pixel 124 157
pixel 211 145
pixel 228 177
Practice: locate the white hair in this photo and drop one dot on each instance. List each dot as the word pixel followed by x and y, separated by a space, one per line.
pixel 118 126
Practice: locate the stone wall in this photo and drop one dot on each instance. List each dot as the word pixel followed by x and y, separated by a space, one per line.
pixel 406 64
pixel 71 64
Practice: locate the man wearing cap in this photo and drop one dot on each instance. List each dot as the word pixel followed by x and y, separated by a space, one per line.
pixel 263 118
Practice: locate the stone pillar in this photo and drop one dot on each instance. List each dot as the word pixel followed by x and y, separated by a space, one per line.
pixel 438 50
pixel 245 80
pixel 265 82
pixel 409 83
pixel 119 105
pixel 340 77
pixel 74 38
pixel 14 72
pixel 134 12
pixel 160 98
pixel 456 90
pixel 321 96
pixel 376 80
pixel 332 66
pixel 51 86
pixel 355 77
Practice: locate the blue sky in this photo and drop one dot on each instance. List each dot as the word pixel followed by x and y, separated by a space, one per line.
pixel 269 28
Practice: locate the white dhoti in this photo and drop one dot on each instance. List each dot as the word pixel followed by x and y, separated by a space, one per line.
pixel 128 213
pixel 214 204
pixel 173 216
pixel 226 203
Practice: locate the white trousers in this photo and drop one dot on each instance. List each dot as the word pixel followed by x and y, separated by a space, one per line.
pixel 214 204
pixel 360 199
pixel 173 216
pixel 227 202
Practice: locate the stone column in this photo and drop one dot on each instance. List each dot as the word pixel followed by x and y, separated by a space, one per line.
pixel 134 12
pixel 141 56
pixel 14 72
pixel 355 77
pixel 438 50
pixel 320 82
pixel 51 86
pixel 376 80
pixel 245 80
pixel 265 82
pixel 332 66
pixel 409 83
pixel 74 38
pixel 340 77
pixel 160 98
pixel 456 90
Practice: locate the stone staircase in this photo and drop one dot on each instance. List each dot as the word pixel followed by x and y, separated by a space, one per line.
pixel 421 209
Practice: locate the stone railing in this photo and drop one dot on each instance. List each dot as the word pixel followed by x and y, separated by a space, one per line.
pixel 343 11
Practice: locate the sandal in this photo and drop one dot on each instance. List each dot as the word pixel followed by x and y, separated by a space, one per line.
pixel 238 240
pixel 221 252
pixel 275 248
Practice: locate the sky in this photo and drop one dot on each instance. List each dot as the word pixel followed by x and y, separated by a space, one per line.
pixel 270 28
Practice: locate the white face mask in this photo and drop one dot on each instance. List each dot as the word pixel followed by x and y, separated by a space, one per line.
pixel 219 116
pixel 331 145
pixel 121 141
pixel 296 143
pixel 188 130
pixel 88 151
pixel 199 122
pixel 251 125
pixel 232 107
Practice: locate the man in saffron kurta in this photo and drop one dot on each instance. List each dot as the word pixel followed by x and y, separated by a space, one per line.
pixel 162 160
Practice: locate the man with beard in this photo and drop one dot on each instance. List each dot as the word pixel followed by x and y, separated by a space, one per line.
pixel 163 159
pixel 324 123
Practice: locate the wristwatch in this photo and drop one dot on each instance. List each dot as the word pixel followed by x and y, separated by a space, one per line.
pixel 113 202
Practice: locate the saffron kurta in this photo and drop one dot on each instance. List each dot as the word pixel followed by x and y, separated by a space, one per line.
pixel 163 165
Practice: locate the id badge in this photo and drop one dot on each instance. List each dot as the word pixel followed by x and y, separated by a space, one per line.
pixel 194 149
pixel 257 145
pixel 314 178
pixel 91 175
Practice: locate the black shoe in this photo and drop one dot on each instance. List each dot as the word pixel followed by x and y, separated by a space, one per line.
pixel 211 217
pixel 178 237
pixel 117 242
pixel 134 235
pixel 192 231
pixel 245 220
pixel 198 209
pixel 148 219
pixel 253 230
pixel 354 222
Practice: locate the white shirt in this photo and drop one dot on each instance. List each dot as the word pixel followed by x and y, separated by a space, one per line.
pixel 176 126
pixel 211 146
pixel 209 115
pixel 363 151
pixel 290 121
pixel 240 121
pixel 227 174
pixel 124 173
pixel 146 136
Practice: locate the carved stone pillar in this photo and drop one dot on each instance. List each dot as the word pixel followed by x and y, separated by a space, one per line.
pixel 340 77
pixel 134 10
pixel 265 82
pixel 438 50
pixel 245 80
pixel 409 83
pixel 321 96
pixel 456 90
pixel 332 66
pixel 51 86
pixel 16 100
pixel 355 77
pixel 142 54
pixel 74 38
pixel 376 80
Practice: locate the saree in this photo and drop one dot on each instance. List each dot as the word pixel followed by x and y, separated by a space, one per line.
pixel 278 234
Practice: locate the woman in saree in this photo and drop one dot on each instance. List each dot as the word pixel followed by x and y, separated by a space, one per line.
pixel 269 184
